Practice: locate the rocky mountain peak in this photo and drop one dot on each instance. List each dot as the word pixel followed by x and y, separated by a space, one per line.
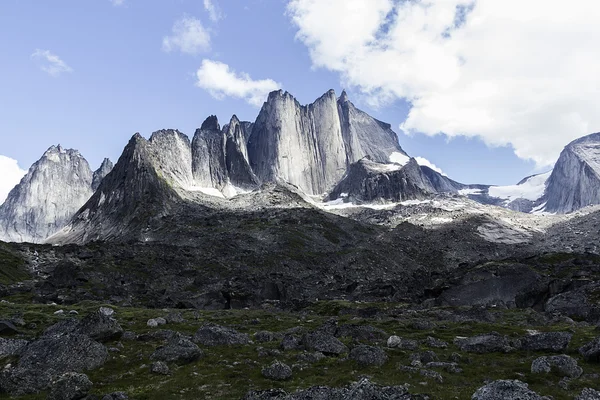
pixel 210 124
pixel 101 173
pixel 343 97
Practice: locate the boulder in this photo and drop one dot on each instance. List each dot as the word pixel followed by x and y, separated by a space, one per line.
pixel 100 327
pixel 178 350
pixel 277 371
pixel 368 355
pixel 8 328
pixel 106 311
pixel 266 336
pixel 216 335
pixel 446 366
pixel 546 341
pixel 487 343
pixel 365 333
pixel 310 357
pixel 401 343
pixel 506 390
pixel 70 386
pixel 291 342
pixel 588 394
pixel 563 364
pixel 591 351
pixel 160 368
pixel 174 318
pixel 435 343
pixel 323 342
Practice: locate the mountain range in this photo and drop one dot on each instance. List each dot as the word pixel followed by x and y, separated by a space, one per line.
pixel 326 155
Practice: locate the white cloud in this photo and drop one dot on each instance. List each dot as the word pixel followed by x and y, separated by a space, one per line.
pixel 117 3
pixel 10 177
pixel 221 81
pixel 511 72
pixel 213 11
pixel 50 63
pixel 426 163
pixel 188 36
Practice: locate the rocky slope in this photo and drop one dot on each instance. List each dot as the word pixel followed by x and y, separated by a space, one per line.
pixel 55 187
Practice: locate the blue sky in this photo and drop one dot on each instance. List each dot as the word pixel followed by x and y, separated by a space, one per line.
pixel 118 77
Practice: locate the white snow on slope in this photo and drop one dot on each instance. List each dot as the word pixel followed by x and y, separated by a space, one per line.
pixel 465 192
pixel 532 189
pixel 399 158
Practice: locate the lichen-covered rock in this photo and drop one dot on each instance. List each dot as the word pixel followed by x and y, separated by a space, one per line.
pixel 446 366
pixel 563 364
pixel 487 343
pixel 216 335
pixel 70 386
pixel 266 336
pixel 11 347
pixel 178 350
pixel 402 343
pixel 591 350
pixel 368 355
pixel 291 342
pixel 326 344
pixel 546 341
pixel 160 368
pixel 506 390
pixel 588 394
pixel 277 371
pixel 100 327
pixel 435 343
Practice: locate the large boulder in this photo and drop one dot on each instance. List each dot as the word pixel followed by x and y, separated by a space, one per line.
pixel 97 325
pixel 216 335
pixel 546 341
pixel 70 386
pixel 178 350
pixel 323 342
pixel 277 371
pixel 487 343
pixel 402 343
pixel 591 350
pixel 368 355
pixel 588 394
pixel 563 364
pixel 506 390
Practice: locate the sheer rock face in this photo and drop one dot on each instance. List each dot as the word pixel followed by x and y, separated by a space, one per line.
pixel 302 145
pixel 364 135
pixel 220 157
pixel 173 157
pixel 575 179
pixel 101 172
pixel 311 146
pixel 55 187
pixel 367 181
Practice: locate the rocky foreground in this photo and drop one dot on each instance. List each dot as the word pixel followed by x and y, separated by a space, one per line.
pixel 327 350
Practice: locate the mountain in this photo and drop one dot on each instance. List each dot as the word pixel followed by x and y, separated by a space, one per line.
pixel 101 172
pixel 53 189
pixel 575 179
pixel 312 146
pixel 368 181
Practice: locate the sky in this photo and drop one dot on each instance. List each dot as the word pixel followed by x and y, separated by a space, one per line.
pixel 488 91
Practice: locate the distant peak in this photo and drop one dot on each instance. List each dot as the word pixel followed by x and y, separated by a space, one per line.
pixel 234 120
pixel 211 124
pixel 343 96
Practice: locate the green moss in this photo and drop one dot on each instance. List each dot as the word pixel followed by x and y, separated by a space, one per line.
pixel 12 266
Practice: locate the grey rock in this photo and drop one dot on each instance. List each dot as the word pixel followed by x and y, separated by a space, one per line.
pixel 436 376
pixel 435 343
pixel 152 323
pixel 588 394
pixel 365 333
pixel 368 355
pixel 591 350
pixel 277 371
pixel 563 364
pixel 70 386
pixel 51 192
pixel 107 311
pixel 402 343
pixel 215 335
pixel 311 358
pixel 8 328
pixel 291 342
pixel 266 336
pixel 506 390
pixel 174 318
pixel 160 368
pixel 326 344
pixel 178 350
pixel 546 341
pixel 487 343
pixel 100 327
pixel 11 347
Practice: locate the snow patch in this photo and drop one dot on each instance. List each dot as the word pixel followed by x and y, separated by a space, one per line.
pixel 466 192
pixel 206 190
pixel 399 158
pixel 532 189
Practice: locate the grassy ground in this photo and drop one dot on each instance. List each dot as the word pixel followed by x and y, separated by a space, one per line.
pixel 229 372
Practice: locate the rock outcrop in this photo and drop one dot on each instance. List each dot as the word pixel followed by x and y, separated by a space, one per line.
pixel 101 173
